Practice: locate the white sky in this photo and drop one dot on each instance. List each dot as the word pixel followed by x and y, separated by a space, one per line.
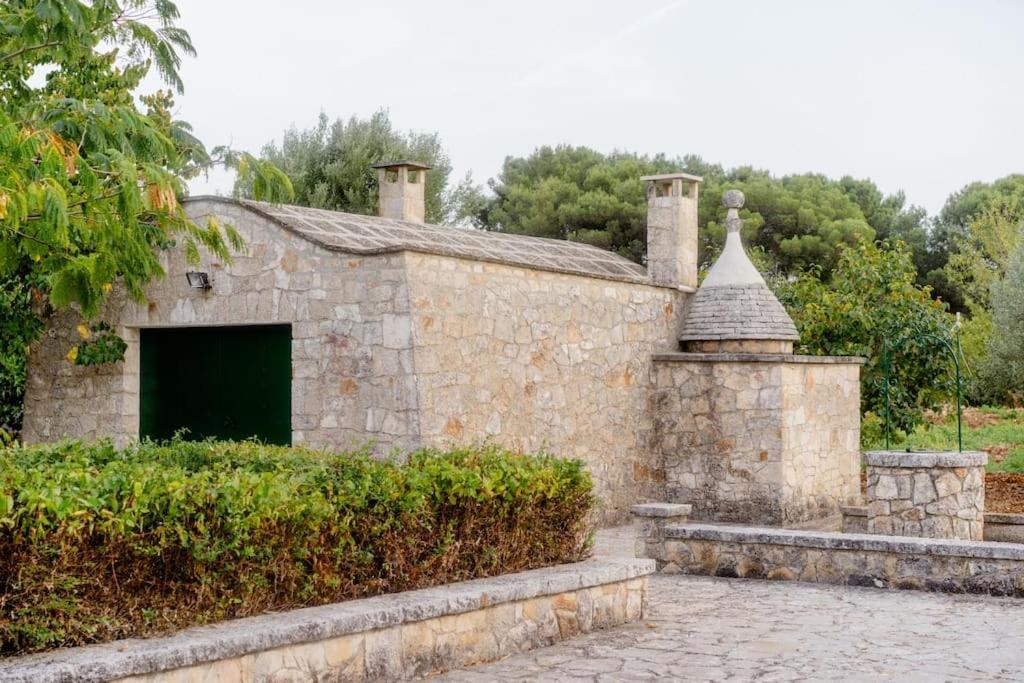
pixel 923 96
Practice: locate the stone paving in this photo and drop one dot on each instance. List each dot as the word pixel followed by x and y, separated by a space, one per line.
pixel 733 629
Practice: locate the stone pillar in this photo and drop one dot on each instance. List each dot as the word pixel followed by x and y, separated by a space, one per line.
pixel 650 522
pixel 672 228
pixel 933 495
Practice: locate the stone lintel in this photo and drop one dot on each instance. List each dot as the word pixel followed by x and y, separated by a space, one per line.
pixel 902 459
pixel 661 509
pixel 829 540
pixel 682 357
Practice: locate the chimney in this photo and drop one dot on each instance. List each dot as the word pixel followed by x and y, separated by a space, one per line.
pixel 400 190
pixel 672 228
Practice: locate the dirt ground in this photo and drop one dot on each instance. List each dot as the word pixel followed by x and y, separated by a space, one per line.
pixel 1004 491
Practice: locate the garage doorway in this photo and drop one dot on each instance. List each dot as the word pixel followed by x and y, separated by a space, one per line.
pixel 221 382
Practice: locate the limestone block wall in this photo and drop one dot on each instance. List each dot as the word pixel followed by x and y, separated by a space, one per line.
pixel 934 495
pixel 352 376
pixel 757 438
pixel 535 359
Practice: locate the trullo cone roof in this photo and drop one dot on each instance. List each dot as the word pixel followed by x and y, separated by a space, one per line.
pixel 734 301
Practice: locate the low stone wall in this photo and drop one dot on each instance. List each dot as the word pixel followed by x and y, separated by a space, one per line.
pixel 387 637
pixel 904 562
pixel 1001 527
pixel 934 495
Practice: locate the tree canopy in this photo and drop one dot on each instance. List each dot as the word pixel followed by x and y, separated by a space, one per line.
pixel 953 234
pixel 798 220
pixel 1001 371
pixel 90 177
pixel 329 165
pixel 870 299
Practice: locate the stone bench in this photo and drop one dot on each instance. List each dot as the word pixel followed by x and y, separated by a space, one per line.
pixel 905 562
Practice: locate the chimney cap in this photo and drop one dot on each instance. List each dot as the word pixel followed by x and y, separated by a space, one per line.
pixel 672 176
pixel 400 163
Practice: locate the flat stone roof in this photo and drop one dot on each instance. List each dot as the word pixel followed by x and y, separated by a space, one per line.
pixel 357 234
pixel 402 162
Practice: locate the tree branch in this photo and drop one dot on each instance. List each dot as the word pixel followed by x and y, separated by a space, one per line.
pixel 29 48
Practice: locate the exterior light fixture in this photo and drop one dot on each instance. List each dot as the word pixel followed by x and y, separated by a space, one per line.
pixel 198 280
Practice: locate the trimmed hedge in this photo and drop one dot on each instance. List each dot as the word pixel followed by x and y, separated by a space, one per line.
pixel 98 543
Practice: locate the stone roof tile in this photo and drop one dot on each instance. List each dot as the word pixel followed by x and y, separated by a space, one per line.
pixel 358 234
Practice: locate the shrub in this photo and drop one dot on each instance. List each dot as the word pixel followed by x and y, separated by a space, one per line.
pixel 871 298
pixel 98 543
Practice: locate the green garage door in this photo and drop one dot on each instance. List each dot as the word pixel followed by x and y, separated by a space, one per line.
pixel 224 382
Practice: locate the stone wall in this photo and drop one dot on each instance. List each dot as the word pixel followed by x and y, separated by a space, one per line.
pixel 388 637
pixel 944 565
pixel 351 340
pixel 402 349
pixel 999 526
pixel 535 359
pixel 934 495
pixel 760 438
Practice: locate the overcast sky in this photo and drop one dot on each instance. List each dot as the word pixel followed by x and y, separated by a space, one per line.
pixel 920 96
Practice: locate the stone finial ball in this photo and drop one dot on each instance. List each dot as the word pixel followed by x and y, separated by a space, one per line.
pixel 733 199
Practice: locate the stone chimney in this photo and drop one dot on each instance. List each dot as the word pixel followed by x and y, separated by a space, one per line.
pixel 400 190
pixel 672 228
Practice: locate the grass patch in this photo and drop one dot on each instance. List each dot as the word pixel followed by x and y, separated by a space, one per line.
pixel 997 431
pixel 98 543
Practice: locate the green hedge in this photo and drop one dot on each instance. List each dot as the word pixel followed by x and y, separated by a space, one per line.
pixel 98 543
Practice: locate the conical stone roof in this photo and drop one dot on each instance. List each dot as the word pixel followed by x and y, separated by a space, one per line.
pixel 734 302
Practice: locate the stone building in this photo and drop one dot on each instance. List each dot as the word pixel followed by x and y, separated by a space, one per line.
pixel 335 330
pixel 746 431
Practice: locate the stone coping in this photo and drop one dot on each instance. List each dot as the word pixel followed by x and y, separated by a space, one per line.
pixel 1004 518
pixel 683 357
pixel 238 637
pixel 661 509
pixel 831 540
pixel 925 459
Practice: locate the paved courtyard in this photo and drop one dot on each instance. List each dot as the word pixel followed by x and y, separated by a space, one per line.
pixel 733 629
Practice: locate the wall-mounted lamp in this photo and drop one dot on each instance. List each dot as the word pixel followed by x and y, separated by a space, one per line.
pixel 198 280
